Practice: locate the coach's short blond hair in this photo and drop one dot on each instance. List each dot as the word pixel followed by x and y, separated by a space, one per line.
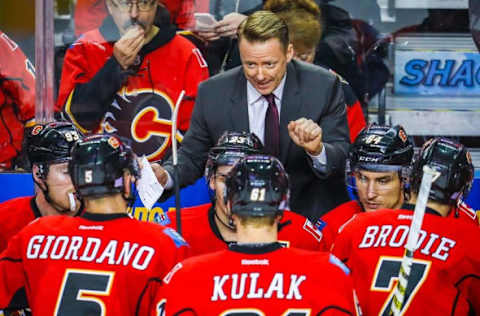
pixel 262 26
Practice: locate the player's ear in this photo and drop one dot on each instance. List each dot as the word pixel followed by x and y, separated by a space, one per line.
pixel 211 182
pixel 127 183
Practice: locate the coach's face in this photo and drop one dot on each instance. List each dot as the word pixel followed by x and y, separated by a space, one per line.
pixel 265 63
pixel 126 13
pixel 379 190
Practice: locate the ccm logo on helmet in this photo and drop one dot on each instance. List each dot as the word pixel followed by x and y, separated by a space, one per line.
pixel 369 159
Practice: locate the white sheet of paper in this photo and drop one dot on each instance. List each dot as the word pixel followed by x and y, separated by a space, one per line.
pixel 149 189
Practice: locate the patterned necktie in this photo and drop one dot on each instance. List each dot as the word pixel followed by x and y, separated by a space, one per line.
pixel 272 127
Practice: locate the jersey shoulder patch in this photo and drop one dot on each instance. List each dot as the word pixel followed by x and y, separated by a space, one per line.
pixel 335 261
pixel 175 236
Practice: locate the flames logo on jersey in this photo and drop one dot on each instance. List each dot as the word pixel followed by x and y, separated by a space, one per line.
pixel 145 117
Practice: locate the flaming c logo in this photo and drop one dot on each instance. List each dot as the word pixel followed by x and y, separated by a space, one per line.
pixel 144 116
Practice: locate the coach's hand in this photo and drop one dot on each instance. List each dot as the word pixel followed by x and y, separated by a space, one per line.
pixel 306 134
pixel 127 47
pixel 160 173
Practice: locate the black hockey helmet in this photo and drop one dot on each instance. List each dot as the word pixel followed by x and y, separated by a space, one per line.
pixel 230 148
pixel 381 148
pixel 257 186
pixel 454 163
pixel 51 143
pixel 98 164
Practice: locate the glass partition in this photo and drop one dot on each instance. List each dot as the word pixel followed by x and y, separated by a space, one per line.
pixel 121 66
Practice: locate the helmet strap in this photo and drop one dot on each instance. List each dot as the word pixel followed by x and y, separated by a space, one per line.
pixel 230 225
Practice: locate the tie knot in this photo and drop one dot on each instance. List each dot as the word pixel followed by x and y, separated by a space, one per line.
pixel 270 98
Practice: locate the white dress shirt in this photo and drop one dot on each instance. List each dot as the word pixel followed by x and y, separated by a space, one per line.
pixel 257 109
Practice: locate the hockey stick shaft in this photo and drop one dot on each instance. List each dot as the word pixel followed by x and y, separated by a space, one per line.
pixel 429 176
pixel 175 162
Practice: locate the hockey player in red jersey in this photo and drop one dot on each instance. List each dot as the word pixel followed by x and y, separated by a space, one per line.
pixel 445 275
pixel 126 76
pixel 17 99
pixel 48 149
pixel 209 227
pixel 377 170
pixel 99 263
pixel 256 275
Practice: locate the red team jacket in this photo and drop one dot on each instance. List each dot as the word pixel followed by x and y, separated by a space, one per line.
pixel 17 99
pixel 446 269
pixel 258 280
pixel 201 232
pixel 96 264
pixel 139 105
pixel 14 215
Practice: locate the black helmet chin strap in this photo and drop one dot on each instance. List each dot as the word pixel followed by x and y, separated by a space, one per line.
pixel 130 198
pixel 228 225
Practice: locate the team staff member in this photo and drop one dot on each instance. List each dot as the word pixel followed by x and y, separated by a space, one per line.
pixel 297 110
pixel 17 99
pixel 257 271
pixel 62 261
pixel 126 76
pixel 445 277
pixel 48 149
pixel 209 227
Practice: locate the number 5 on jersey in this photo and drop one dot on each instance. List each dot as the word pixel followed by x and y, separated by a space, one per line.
pixel 80 290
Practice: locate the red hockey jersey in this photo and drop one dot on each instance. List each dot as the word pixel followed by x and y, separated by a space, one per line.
pixel 202 234
pixel 17 99
pixel 14 215
pixel 446 266
pixel 96 264
pixel 258 280
pixel 97 95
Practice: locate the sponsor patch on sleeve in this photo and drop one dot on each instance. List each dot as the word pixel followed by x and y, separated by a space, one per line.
pixel 177 239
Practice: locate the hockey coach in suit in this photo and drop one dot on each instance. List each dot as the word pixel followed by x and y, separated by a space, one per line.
pixel 296 109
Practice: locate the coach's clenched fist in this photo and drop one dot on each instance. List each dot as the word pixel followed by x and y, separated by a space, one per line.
pixel 306 134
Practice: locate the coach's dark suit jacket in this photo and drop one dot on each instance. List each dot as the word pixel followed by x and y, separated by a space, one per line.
pixel 311 92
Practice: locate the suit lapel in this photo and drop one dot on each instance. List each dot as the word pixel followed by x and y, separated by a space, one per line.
pixel 291 104
pixel 239 106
